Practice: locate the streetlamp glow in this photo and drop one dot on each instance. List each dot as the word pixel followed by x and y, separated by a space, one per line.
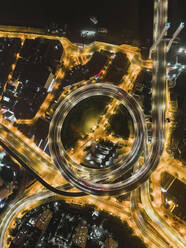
pixel 180 50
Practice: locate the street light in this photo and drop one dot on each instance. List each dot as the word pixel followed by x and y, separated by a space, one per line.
pixel 180 50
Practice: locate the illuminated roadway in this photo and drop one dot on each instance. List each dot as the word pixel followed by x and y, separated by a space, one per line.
pixel 46 168
pixel 69 47
pixel 27 150
pixel 39 162
pixel 145 213
pixel 152 157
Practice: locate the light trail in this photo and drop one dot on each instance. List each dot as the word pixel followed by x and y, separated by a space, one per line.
pixel 158 105
pixel 59 154
pixel 154 211
pixel 141 221
pixel 36 159
pixel 158 109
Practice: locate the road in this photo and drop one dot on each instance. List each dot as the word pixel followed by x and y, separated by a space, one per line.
pixel 43 165
pixel 87 176
pixel 151 214
pixel 71 52
pixel 28 152
pixel 70 57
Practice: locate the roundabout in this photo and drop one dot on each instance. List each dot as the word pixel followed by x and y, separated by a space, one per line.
pixel 98 181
